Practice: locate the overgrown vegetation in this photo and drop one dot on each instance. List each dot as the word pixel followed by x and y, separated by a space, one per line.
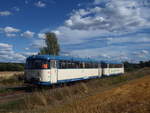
pixel 45 99
pixel 11 66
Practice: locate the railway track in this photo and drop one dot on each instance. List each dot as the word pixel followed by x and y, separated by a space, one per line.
pixel 13 93
pixel 17 92
pixel 11 96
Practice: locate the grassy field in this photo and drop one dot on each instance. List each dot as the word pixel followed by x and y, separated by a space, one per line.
pixel 10 78
pixel 128 93
pixel 8 74
pixel 133 97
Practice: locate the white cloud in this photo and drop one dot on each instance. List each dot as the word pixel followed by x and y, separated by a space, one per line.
pixel 114 17
pixel 10 35
pixel 29 53
pixel 9 29
pixel 116 53
pixel 40 4
pixel 115 24
pixel 26 48
pixel 76 36
pixel 145 52
pixel 8 55
pixel 141 54
pixel 41 36
pixel 5 46
pixel 28 34
pixel 36 44
pixel 5 13
pixel 129 39
pixel 56 32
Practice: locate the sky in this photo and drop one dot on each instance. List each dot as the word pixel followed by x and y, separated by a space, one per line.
pixel 101 29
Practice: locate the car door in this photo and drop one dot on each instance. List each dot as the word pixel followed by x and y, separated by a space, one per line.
pixel 54 71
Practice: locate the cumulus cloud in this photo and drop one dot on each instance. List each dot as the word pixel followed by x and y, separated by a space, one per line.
pixel 5 13
pixel 10 35
pixel 9 29
pixel 41 36
pixel 5 46
pixel 75 36
pixel 40 4
pixel 112 17
pixel 106 26
pixel 26 48
pixel 8 55
pixel 138 38
pixel 29 53
pixel 141 54
pixel 28 34
pixel 36 44
pixel 116 53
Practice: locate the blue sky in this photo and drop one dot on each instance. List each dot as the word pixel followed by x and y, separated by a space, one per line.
pixel 101 29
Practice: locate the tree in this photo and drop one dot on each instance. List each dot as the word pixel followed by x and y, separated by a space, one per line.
pixel 52 46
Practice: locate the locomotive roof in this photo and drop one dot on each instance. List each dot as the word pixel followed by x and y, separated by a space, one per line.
pixel 50 57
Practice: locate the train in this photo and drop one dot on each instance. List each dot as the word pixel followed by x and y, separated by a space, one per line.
pixel 49 70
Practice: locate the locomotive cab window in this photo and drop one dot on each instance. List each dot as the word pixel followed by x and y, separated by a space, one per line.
pixel 37 64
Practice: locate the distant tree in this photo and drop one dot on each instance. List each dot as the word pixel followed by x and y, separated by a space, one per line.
pixel 52 46
pixel 11 67
pixel 133 66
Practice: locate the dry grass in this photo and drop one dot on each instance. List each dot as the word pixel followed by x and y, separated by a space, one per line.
pixel 93 96
pixel 55 97
pixel 7 74
pixel 11 78
pixel 133 97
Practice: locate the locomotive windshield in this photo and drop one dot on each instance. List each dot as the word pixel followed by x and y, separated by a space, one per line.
pixel 37 64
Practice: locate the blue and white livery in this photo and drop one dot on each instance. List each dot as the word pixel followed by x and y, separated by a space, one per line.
pixel 48 70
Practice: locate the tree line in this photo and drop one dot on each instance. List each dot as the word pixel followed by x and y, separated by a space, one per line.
pixel 20 66
pixel 133 66
pixel 11 67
